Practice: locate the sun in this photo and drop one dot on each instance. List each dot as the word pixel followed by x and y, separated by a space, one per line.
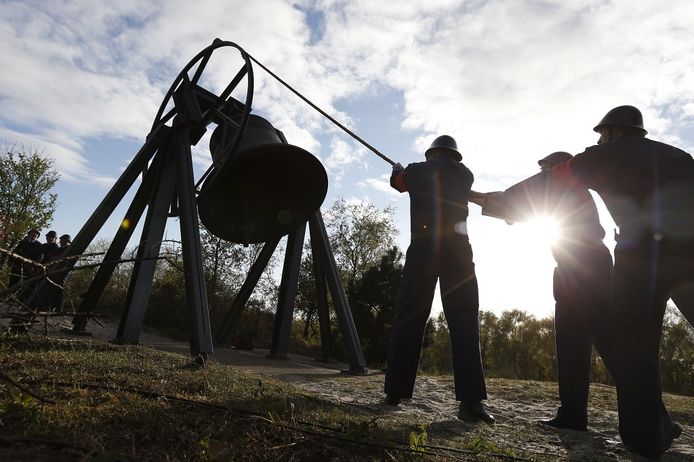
pixel 514 264
pixel 542 229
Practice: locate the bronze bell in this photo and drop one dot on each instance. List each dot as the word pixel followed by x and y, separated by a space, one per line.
pixel 265 190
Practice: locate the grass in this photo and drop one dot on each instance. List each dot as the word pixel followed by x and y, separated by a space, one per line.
pixel 81 399
pixel 76 399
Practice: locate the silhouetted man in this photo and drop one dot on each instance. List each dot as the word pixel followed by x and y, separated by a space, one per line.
pixel 439 250
pixel 648 188
pixel 581 282
pixel 50 247
pixel 30 248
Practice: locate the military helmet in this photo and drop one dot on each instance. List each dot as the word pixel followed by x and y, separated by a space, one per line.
pixel 555 158
pixel 66 237
pixel 444 143
pixel 624 116
pixel 51 234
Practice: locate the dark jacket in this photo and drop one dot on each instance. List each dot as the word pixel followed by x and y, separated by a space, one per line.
pixel 647 186
pixel 439 190
pixel 49 250
pixel 572 208
pixel 29 249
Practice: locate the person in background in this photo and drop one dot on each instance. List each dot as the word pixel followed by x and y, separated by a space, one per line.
pixel 30 248
pixel 439 250
pixel 64 241
pixel 58 297
pixel 50 248
pixel 581 282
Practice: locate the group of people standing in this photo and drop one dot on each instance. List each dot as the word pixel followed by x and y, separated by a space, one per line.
pixel 648 188
pixel 34 257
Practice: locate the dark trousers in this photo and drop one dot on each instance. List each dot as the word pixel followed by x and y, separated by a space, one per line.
pixel 448 260
pixel 581 320
pixel 644 277
pixel 16 275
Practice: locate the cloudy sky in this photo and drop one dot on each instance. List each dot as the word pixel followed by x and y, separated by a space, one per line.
pixel 511 80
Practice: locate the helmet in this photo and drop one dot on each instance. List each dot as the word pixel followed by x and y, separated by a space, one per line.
pixel 555 158
pixel 66 237
pixel 625 116
pixel 51 234
pixel 444 143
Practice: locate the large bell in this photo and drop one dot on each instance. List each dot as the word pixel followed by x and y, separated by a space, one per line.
pixel 265 190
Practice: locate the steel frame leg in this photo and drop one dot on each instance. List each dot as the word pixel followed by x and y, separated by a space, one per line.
pixel 140 286
pixel 357 364
pixel 120 241
pixel 196 295
pixel 288 288
pixel 326 340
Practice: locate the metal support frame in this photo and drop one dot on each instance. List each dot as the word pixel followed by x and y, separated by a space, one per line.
pixel 326 276
pixel 200 333
pixel 326 341
pixel 165 163
pixel 288 288
pixel 148 250
pixel 246 290
pixel 357 364
pixel 120 241
pixel 169 179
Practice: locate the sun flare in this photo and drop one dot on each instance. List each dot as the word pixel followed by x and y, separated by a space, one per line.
pixel 542 229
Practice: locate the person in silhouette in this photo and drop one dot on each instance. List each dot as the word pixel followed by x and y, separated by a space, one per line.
pixel 648 188
pixel 50 247
pixel 30 248
pixel 439 250
pixel 581 282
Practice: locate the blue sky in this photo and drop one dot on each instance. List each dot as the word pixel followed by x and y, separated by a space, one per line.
pixel 510 80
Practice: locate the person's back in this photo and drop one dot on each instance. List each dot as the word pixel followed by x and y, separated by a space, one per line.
pixel 580 283
pixel 439 251
pixel 31 249
pixel 572 209
pixel 438 191
pixel 647 186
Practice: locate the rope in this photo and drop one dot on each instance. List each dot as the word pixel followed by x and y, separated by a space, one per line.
pixel 325 114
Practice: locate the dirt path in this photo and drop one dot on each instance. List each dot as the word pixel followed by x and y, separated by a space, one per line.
pixel 517 410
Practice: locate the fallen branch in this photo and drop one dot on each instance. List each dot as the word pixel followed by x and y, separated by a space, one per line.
pixel 24 389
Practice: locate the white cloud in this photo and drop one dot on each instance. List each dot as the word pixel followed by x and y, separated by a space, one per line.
pixel 510 80
pixel 342 154
pixel 92 69
pixel 380 184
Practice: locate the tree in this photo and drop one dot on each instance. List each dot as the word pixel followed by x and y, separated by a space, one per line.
pixel 26 178
pixel 372 298
pixel 437 357
pixel 226 266
pixel 677 353
pixel 306 303
pixel 224 263
pixel 360 234
pixel 114 293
